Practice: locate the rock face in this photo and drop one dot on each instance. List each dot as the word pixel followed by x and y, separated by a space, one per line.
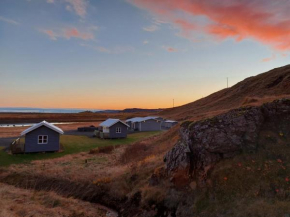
pixel 205 143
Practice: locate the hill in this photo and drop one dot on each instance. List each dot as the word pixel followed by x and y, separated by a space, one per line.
pixel 130 110
pixel 254 90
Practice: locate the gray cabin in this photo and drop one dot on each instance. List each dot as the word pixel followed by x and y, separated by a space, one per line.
pixel 113 129
pixel 144 124
pixel 42 137
pixel 169 123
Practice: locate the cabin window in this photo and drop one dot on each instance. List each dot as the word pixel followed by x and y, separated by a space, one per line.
pixel 43 139
pixel 118 130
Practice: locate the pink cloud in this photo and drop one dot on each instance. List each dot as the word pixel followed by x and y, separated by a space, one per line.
pixel 73 32
pixel 79 6
pixel 50 33
pixel 68 33
pixel 265 21
pixel 170 49
pixel 273 57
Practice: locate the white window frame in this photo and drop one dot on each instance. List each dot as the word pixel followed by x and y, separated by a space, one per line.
pixel 41 138
pixel 118 130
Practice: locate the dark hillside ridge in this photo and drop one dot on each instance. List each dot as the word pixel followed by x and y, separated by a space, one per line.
pixel 130 110
pixel 272 84
pixel 133 110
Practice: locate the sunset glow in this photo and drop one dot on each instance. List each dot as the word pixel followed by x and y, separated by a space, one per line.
pixel 134 53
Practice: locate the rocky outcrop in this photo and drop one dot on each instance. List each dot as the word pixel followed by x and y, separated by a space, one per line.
pixel 204 143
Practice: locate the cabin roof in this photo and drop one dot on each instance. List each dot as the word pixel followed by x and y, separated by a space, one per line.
pixel 43 123
pixel 170 121
pixel 110 122
pixel 139 119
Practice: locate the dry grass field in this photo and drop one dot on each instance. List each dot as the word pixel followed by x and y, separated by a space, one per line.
pixel 17 202
pixel 254 90
pixel 113 170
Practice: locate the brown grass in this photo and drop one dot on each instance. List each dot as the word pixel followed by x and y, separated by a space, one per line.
pixel 157 145
pixel 104 150
pixel 17 202
pixel 254 90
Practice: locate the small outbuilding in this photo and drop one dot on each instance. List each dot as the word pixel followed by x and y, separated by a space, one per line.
pixel 169 123
pixel 144 124
pixel 91 128
pixel 113 129
pixel 42 137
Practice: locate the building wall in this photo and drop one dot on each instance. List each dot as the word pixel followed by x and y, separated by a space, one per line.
pixel 170 124
pixel 133 126
pixel 150 125
pixel 162 120
pixel 106 129
pixel 123 133
pixel 137 126
pixel 130 125
pixel 31 140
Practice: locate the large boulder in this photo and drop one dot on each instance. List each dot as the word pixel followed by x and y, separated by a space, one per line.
pixel 204 143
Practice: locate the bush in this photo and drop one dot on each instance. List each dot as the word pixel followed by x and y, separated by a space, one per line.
pixel 104 150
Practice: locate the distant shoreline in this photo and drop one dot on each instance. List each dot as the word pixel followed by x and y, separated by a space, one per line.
pixel 45 110
pixel 22 110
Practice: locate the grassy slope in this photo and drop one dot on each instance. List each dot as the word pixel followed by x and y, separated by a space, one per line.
pixel 251 184
pixel 72 145
pixel 254 90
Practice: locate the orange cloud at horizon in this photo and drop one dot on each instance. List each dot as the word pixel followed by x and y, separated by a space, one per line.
pixel 86 102
pixel 260 20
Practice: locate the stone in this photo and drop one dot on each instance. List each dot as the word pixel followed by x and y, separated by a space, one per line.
pixel 204 143
pixel 193 185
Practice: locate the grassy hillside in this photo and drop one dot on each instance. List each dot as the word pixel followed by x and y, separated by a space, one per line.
pixel 254 90
pixel 251 184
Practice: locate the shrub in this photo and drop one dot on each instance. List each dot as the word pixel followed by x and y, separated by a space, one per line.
pixel 102 181
pixel 105 149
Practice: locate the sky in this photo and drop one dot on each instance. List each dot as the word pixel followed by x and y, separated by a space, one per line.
pixel 116 54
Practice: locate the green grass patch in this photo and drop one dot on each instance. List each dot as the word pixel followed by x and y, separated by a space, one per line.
pixel 72 145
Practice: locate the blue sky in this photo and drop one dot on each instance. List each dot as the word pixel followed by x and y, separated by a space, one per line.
pixel 118 54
